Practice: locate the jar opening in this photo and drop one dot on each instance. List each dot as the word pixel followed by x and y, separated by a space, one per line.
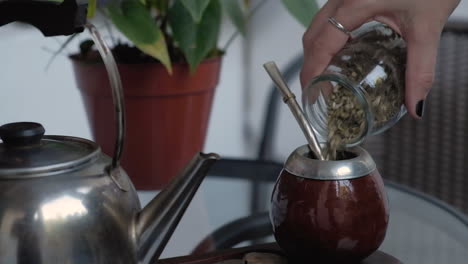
pixel 320 110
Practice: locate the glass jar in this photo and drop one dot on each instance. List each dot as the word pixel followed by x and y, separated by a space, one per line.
pixel 361 92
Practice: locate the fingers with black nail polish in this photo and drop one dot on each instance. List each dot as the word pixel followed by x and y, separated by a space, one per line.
pixel 420 108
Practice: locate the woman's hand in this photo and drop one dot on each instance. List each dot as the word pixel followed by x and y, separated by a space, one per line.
pixel 420 22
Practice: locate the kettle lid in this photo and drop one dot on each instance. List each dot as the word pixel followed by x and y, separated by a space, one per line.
pixel 25 151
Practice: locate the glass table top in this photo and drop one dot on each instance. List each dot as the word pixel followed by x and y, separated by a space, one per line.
pixel 421 229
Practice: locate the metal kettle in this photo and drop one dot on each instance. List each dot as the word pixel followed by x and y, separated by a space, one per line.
pixel 64 201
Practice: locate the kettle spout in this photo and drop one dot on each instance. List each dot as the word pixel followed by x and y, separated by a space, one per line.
pixel 155 224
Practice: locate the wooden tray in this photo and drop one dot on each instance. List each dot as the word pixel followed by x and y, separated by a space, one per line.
pixel 378 257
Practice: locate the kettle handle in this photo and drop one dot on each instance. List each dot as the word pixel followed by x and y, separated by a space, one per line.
pixel 117 92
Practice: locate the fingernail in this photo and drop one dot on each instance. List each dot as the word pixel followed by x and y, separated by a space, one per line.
pixel 420 108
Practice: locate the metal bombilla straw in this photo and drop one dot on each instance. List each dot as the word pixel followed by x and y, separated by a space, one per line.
pixel 290 99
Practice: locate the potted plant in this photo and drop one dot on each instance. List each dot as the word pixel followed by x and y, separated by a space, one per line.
pixel 169 75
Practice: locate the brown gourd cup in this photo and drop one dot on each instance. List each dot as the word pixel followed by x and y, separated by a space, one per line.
pixel 329 211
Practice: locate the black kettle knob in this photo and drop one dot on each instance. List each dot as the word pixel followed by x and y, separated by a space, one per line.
pixel 21 134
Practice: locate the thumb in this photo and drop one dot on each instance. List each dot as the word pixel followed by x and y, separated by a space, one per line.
pixel 422 44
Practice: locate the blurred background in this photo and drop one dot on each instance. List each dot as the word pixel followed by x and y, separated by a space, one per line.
pixel 29 92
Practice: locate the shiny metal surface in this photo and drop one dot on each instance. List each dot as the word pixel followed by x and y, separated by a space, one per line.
pixel 290 99
pixel 65 154
pixel 158 220
pixel 82 216
pixel 300 164
pixel 339 26
pixel 117 92
pixel 75 217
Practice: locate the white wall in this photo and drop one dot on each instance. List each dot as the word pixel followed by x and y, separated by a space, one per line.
pixel 29 93
pixel 461 12
pixel 275 36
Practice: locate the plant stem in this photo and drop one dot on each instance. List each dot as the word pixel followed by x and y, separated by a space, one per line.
pixel 62 48
pixel 161 6
pixel 249 16
pixel 108 27
pixel 230 40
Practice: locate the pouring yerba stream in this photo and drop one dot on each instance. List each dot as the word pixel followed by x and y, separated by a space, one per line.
pixel 62 199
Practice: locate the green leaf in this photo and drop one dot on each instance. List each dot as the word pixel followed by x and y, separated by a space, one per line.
pixel 160 5
pixel 196 40
pixel 196 8
pixel 136 23
pixel 134 20
pixel 302 10
pixel 157 50
pixel 235 13
pixel 92 4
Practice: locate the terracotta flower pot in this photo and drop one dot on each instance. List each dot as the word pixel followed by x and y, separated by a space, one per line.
pixel 167 116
